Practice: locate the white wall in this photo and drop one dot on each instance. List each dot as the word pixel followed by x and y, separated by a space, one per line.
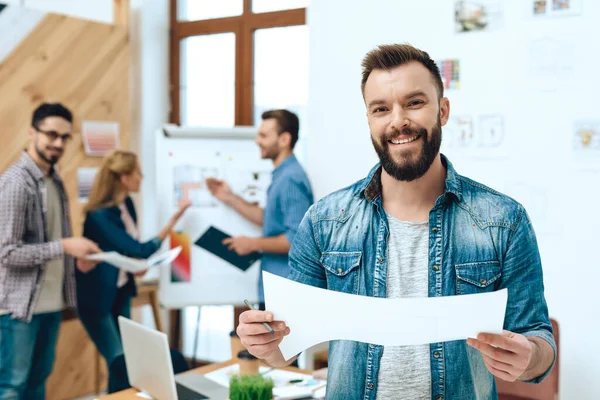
pixel 151 102
pixel 494 79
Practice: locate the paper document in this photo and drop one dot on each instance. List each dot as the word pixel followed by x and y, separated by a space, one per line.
pixel 317 315
pixel 134 265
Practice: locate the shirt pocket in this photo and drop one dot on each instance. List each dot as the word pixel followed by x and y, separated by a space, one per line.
pixel 342 270
pixel 477 277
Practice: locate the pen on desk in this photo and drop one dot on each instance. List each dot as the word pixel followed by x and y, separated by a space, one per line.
pixel 264 323
pixel 319 386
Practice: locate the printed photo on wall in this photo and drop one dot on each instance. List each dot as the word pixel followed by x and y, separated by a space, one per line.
pixel 555 8
pixel 491 131
pixel 458 133
pixel 482 15
pixel 586 140
pixel 189 185
pixel 99 137
pixel 85 178
pixel 551 64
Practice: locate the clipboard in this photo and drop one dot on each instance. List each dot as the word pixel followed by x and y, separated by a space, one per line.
pixel 212 241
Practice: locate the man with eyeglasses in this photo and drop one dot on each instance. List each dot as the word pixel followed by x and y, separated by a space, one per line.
pixel 37 267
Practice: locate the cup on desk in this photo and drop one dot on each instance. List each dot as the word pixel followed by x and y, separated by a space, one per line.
pixel 248 363
pixel 236 344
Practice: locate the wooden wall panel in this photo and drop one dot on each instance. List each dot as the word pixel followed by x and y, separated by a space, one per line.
pixel 84 65
pixel 76 369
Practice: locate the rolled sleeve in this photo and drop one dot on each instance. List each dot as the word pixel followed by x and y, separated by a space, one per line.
pixel 548 337
pixel 55 249
pixel 527 311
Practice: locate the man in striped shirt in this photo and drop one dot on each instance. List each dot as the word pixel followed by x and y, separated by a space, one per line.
pixel 288 198
pixel 37 269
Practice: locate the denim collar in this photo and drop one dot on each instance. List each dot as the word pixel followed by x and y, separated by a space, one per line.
pixel 371 186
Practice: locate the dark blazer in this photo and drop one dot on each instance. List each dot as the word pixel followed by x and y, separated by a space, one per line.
pixel 96 290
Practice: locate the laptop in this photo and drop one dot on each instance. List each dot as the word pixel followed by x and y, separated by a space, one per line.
pixel 149 367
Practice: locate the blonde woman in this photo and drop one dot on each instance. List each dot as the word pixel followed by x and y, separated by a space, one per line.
pixel 105 293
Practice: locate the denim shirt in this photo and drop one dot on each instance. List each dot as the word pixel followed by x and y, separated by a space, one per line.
pixel 288 198
pixel 479 241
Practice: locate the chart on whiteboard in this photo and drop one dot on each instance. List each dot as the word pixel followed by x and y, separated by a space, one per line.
pixel 197 276
pixel 189 185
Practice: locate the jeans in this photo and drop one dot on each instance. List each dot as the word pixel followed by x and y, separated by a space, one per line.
pixel 103 328
pixel 27 351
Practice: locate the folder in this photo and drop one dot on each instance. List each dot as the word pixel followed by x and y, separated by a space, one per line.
pixel 212 241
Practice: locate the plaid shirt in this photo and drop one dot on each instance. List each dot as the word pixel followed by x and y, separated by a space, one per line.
pixel 24 246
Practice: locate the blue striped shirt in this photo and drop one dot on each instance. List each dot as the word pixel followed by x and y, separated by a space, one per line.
pixel 288 198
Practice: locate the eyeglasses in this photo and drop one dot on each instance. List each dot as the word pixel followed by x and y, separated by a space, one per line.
pixel 53 135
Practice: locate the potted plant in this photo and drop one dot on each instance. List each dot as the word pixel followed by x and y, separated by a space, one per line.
pixel 250 387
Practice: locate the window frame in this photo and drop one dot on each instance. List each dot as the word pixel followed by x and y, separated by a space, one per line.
pixel 243 26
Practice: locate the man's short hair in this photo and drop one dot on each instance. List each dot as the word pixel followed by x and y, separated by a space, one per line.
pixel 287 121
pixel 46 110
pixel 389 56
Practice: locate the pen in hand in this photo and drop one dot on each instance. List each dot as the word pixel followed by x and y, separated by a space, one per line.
pixel 264 323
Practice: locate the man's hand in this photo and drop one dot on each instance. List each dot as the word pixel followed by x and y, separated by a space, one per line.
pixel 506 356
pixel 220 189
pixel 86 266
pixel 79 247
pixel 242 245
pixel 140 274
pixel 258 340
pixel 184 206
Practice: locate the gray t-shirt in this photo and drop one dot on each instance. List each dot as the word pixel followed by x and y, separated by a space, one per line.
pixel 405 371
pixel 51 297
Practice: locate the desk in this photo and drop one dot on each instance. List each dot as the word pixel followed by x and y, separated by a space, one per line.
pixel 147 294
pixel 129 394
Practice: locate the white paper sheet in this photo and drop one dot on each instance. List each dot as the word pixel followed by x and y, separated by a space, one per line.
pixel 134 265
pixel 317 315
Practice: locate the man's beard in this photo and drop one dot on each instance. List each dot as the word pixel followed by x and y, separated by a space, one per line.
pixel 49 159
pixel 408 171
pixel 271 153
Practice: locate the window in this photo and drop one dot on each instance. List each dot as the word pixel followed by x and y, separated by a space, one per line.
pixel 207 87
pixel 194 10
pixel 281 74
pixel 194 52
pixel 230 61
pixel 261 6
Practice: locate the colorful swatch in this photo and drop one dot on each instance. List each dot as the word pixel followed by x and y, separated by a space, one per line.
pixel 450 71
pixel 85 179
pixel 99 138
pixel 181 268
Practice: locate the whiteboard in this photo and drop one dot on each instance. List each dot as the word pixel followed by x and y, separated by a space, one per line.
pixel 185 157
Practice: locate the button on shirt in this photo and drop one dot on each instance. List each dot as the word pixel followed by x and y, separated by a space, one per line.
pixel 288 198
